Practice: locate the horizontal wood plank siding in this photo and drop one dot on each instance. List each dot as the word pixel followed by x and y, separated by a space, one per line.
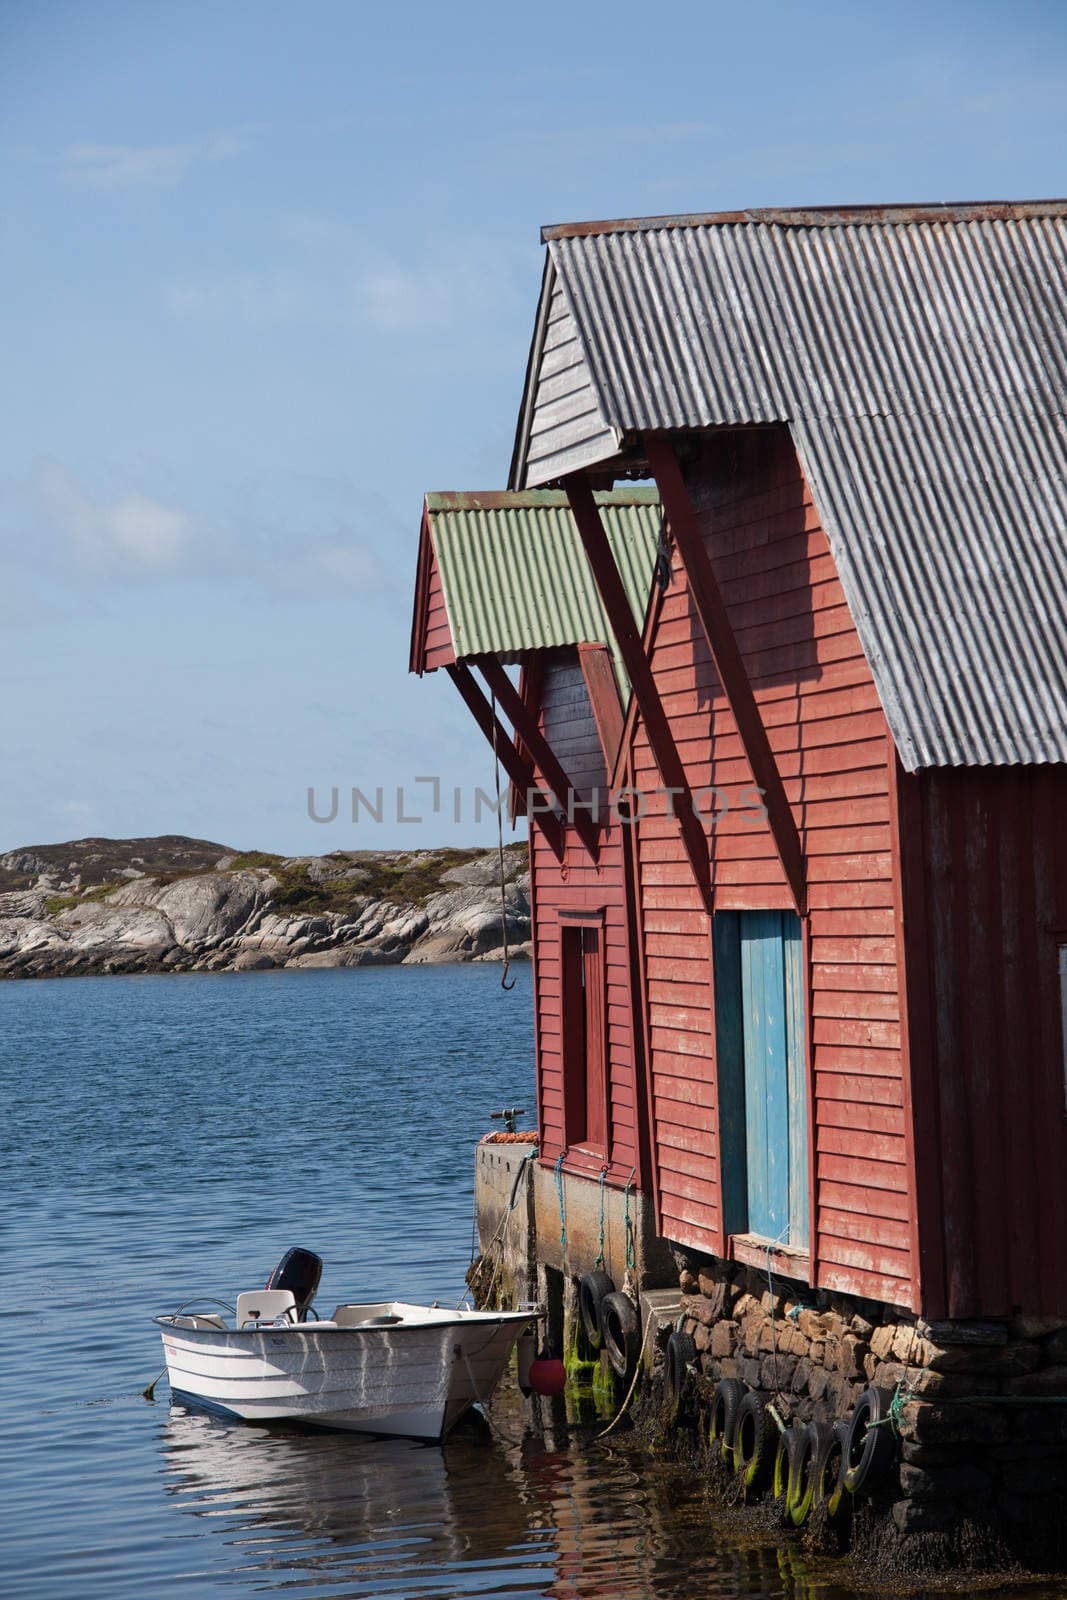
pixel 831 742
pixel 566 430
pixel 580 885
pixel 438 651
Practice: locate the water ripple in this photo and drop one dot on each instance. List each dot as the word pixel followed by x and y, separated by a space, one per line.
pixel 168 1136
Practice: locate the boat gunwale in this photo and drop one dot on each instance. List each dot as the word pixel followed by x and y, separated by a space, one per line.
pixel 479 1319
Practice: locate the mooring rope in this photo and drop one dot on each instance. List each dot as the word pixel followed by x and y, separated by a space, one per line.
pixel 599 1262
pixel 631 1251
pixel 638 1367
pixel 562 1211
pixel 494 1427
pixel 501 1227
pixel 504 983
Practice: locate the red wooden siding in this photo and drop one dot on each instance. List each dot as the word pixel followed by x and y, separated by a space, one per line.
pixel 985 905
pixel 439 651
pixel 581 885
pixel 830 739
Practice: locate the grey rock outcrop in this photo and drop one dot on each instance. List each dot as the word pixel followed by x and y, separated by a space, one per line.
pixel 345 909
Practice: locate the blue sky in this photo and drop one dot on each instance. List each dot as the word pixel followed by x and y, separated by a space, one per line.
pixel 269 272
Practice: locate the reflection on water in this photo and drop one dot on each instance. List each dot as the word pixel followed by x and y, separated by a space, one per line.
pixel 556 1517
pixel 165 1137
pixel 367 1511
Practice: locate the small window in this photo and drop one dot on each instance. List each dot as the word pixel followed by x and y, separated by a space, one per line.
pixel 585 1063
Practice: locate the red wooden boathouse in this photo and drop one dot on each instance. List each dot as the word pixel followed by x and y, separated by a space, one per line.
pixel 503 581
pixel 849 986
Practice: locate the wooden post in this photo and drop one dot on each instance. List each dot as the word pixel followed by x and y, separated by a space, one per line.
pixel 714 620
pixel 613 595
pixel 603 689
pixel 528 730
pixel 516 766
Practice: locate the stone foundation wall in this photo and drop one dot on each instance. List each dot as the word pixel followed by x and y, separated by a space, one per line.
pixel 980 1441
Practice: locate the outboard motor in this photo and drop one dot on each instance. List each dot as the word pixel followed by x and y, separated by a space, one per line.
pixel 298 1271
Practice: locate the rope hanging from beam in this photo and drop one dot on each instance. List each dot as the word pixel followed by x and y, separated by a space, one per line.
pixel 504 981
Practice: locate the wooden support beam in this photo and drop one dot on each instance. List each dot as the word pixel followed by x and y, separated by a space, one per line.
pixel 528 730
pixel 729 664
pixel 531 685
pixel 628 638
pixel 602 687
pixel 515 765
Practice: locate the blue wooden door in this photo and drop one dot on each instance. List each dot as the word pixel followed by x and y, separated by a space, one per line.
pixel 762 1077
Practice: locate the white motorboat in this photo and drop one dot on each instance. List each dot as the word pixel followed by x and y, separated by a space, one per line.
pixel 383 1367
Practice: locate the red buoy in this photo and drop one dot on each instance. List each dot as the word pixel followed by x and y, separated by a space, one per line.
pixel 547 1375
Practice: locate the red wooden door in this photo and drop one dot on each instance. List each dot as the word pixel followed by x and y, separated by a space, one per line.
pixel 587 1121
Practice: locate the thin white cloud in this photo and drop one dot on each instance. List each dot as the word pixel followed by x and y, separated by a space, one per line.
pixel 355 566
pixel 130 531
pixel 273 296
pixel 112 168
pixel 326 273
pixel 69 541
pixel 395 298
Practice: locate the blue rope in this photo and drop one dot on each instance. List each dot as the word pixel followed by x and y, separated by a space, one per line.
pixel 599 1262
pixel 631 1253
pixel 559 1191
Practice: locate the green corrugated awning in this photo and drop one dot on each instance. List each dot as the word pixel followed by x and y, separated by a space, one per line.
pixel 515 576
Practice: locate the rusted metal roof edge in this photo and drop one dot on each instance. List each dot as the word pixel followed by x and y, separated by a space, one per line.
pixel 899 213
pixel 534 499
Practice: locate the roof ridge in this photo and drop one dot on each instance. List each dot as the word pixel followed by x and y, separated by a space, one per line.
pixel 893 214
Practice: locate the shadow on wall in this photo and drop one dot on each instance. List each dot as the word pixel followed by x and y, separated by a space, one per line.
pixel 753 505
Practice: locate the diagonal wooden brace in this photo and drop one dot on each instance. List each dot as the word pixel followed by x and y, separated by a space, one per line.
pixel 515 765
pixel 628 638
pixel 529 731
pixel 603 689
pixel 729 664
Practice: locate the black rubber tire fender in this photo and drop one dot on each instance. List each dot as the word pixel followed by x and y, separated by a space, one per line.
pixel 725 1404
pixel 620 1332
pixel 593 1290
pixel 815 1441
pixel 681 1354
pixel 830 1471
pixel 786 1461
pixel 870 1446
pixel 755 1441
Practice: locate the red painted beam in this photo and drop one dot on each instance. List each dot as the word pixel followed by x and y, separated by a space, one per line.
pixel 603 689
pixel 528 730
pixel 515 765
pixel 609 585
pixel 729 664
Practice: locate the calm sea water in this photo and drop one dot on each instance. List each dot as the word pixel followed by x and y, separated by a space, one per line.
pixel 170 1136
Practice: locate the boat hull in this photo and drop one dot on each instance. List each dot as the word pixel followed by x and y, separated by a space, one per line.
pixel 414 1381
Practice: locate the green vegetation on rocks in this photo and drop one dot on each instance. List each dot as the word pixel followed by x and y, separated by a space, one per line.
pixel 144 905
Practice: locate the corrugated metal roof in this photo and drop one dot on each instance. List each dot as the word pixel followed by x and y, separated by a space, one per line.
pixel 917 354
pixel 515 575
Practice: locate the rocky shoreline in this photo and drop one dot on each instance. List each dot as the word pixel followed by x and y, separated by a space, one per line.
pixel 173 904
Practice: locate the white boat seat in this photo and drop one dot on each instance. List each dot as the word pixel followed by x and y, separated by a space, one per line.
pixel 200 1319
pixel 266 1305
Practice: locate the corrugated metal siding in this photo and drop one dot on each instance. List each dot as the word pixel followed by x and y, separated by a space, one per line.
pixel 922 369
pixel 515 575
